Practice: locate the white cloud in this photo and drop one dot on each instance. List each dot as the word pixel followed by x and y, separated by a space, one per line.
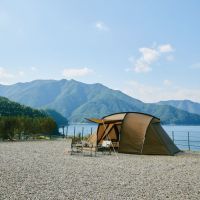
pixel 33 68
pixel 148 56
pixel 21 73
pixel 141 66
pixel 76 72
pixel 5 76
pixel 186 93
pixel 167 82
pixel 151 93
pixel 101 26
pixel 195 66
pixel 165 48
pixel 140 91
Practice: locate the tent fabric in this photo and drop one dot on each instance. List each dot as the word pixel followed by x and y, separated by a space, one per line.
pixel 117 116
pixel 135 133
pixel 103 121
pixel 92 139
pixel 137 124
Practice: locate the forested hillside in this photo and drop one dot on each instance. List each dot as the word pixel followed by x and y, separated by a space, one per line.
pixel 10 108
pixel 17 120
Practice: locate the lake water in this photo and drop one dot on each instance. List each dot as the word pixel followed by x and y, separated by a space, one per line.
pixel 185 137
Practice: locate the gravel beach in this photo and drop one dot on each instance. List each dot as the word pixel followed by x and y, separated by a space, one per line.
pixel 45 170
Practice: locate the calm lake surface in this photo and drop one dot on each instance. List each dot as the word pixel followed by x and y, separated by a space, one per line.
pixel 185 137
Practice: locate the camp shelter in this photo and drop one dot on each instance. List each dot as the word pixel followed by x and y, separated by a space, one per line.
pixel 135 133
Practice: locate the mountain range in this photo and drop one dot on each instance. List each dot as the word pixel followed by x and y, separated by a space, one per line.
pixel 76 101
pixel 187 105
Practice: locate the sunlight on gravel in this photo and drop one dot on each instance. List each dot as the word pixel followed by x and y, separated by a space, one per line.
pixel 45 170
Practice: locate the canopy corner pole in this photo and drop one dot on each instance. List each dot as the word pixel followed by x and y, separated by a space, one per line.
pixel 110 140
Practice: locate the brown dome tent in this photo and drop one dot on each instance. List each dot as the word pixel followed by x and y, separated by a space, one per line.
pixel 135 133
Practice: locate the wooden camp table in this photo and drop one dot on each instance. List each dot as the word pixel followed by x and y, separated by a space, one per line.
pixel 91 149
pixel 80 148
pixel 76 148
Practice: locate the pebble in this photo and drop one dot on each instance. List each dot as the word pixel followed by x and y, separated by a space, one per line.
pixel 44 170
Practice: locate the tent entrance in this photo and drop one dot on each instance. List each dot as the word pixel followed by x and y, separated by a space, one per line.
pixel 109 132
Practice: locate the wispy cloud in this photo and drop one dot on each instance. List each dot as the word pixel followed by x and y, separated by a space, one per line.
pixel 165 48
pixel 170 58
pixel 33 68
pixel 148 56
pixel 21 73
pixel 101 26
pixel 140 91
pixel 151 93
pixel 195 66
pixel 8 77
pixel 167 82
pixel 76 72
pixel 5 76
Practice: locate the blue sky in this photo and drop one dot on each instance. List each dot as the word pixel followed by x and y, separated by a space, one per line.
pixel 149 49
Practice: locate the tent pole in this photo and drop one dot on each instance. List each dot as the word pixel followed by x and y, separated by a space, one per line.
pixel 110 140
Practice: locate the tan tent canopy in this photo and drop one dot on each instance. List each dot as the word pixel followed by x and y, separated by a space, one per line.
pixel 135 132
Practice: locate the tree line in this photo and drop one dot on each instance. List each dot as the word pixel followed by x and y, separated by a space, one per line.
pixel 14 127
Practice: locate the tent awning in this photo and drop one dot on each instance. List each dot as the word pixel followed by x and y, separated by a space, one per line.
pixel 104 121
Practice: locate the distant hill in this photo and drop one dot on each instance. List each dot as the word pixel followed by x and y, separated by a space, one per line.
pixel 186 105
pixel 10 108
pixel 17 120
pixel 60 120
pixel 171 115
pixel 76 101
